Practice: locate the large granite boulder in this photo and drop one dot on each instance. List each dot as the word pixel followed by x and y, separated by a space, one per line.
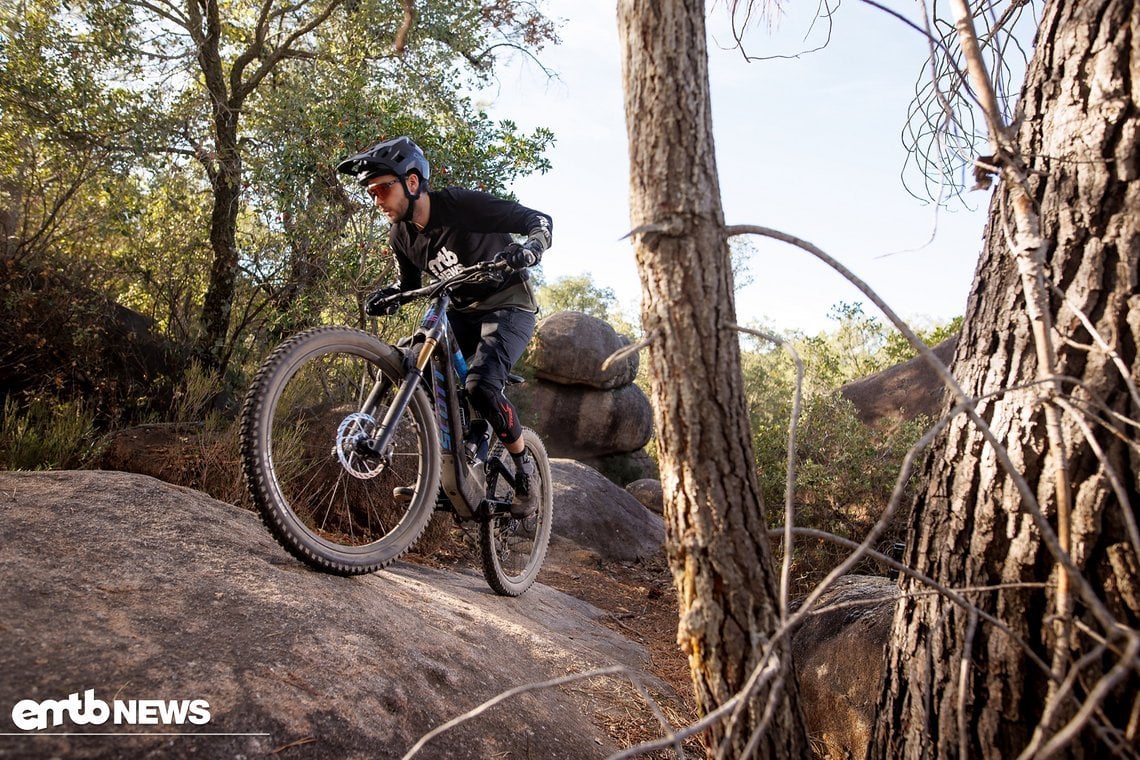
pixel 902 392
pixel 649 493
pixel 838 656
pixel 570 347
pixel 594 513
pixel 580 422
pixel 580 411
pixel 140 591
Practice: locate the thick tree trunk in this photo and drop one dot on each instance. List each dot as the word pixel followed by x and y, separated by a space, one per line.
pixel 716 539
pixel 956 686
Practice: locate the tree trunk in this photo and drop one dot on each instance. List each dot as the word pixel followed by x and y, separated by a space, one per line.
pixel 224 170
pixel 299 300
pixel 716 541
pixel 219 300
pixel 955 685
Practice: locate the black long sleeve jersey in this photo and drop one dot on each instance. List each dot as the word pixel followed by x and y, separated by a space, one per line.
pixel 466 227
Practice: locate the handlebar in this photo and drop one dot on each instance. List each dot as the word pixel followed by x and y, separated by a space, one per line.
pixel 482 270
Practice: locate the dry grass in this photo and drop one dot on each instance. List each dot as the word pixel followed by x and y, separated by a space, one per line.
pixel 641 606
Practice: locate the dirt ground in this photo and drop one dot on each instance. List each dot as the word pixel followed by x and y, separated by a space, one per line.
pixel 642 606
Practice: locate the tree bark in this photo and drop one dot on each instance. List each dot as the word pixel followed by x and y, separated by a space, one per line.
pixel 217 305
pixel 953 685
pixel 224 170
pixel 716 541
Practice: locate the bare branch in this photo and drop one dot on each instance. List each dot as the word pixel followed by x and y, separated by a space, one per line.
pixel 790 482
pixel 1029 499
pixel 284 50
pixel 477 711
pixel 1110 472
pixel 166 11
pixel 1094 700
pixel 1125 374
pixel 254 50
pixel 405 26
pixel 625 352
pixel 964 666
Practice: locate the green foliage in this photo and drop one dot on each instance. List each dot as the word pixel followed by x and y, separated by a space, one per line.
pixel 581 293
pixel 46 435
pixel 109 163
pixel 845 471
pixel 577 293
pixel 898 349
pixel 194 399
pixel 861 345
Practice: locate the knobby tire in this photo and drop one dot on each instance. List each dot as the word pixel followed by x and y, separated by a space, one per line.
pixel 329 507
pixel 513 550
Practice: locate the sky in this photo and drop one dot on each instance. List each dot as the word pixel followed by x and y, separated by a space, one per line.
pixel 808 145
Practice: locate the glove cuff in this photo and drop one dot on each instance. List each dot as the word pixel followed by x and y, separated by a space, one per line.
pixel 538 240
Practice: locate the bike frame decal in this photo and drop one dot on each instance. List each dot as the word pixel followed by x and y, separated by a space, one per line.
pixel 431 317
pixel 458 361
pixel 441 410
pixel 460 364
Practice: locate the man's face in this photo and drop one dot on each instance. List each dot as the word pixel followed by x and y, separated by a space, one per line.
pixel 389 196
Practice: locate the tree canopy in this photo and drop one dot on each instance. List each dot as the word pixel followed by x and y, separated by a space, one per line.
pixel 178 158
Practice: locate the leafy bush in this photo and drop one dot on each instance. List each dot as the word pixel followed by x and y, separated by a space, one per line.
pixel 845 470
pixel 46 435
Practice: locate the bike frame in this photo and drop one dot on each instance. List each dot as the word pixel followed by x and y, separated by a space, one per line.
pixel 434 345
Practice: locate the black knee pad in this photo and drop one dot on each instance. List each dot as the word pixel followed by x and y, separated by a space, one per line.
pixel 490 402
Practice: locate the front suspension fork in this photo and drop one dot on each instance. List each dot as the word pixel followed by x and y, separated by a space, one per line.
pixel 378 445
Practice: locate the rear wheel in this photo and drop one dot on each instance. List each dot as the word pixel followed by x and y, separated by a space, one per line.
pixel 512 549
pixel 325 499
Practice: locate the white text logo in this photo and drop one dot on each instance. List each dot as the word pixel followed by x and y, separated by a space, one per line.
pixel 30 715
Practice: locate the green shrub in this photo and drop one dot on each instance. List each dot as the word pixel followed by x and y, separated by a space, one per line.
pixel 46 435
pixel 845 470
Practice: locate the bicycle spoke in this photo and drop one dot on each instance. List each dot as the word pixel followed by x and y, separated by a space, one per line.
pixel 324 499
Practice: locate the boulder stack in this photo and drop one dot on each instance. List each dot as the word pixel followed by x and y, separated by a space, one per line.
pixel 581 411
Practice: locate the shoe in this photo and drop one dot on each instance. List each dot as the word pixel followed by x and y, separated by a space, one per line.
pixel 525 501
pixel 403 494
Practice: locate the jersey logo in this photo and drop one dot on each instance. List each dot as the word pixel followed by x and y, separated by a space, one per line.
pixel 444 264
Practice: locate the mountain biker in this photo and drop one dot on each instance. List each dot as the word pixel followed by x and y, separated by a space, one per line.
pixel 440 232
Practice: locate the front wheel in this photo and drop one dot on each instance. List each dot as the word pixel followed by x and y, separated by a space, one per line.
pixel 512 549
pixel 323 495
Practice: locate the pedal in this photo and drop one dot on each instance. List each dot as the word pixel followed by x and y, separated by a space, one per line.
pixel 403 494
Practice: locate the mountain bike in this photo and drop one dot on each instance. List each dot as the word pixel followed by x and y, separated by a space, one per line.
pixel 350 445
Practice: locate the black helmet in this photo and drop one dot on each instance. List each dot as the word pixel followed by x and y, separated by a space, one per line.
pixel 398 157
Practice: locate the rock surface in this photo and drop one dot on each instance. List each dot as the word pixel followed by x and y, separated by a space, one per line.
pixel 569 348
pixel 839 661
pixel 901 392
pixel 649 492
pixel 136 589
pixel 580 411
pixel 579 422
pixel 593 512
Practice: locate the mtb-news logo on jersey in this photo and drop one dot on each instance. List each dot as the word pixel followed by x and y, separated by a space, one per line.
pixel 30 715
